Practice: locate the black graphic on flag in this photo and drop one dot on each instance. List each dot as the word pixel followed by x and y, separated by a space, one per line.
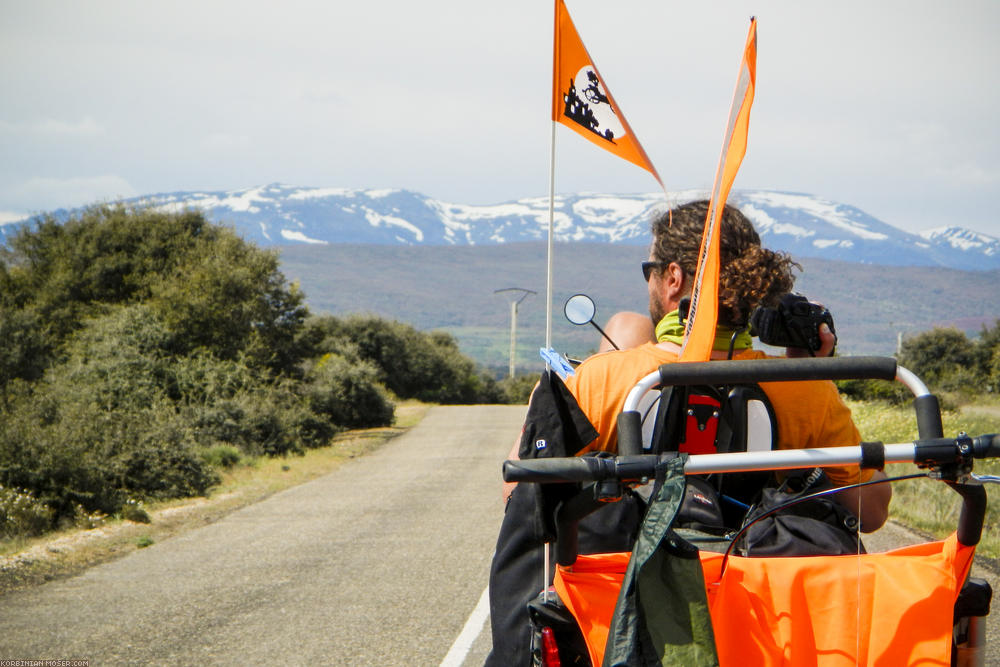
pixel 590 107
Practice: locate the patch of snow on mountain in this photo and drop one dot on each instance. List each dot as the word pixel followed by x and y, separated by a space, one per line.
pixel 242 201
pixel 452 224
pixel 320 193
pixel 171 206
pixel 473 212
pixel 963 239
pixel 608 209
pixel 763 221
pixel 379 194
pixel 245 201
pixel 825 210
pixel 829 243
pixel 377 220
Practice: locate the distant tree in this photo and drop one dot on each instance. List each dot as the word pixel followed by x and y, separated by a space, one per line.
pixel 944 357
pixel 230 298
pixel 348 393
pixel 989 349
pixel 411 363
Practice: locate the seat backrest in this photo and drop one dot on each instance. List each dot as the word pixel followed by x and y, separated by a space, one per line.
pixel 713 419
pixel 709 420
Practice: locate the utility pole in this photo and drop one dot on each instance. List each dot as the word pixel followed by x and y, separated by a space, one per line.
pixel 516 295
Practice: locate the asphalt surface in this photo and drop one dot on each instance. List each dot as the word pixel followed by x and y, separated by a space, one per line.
pixel 378 563
pixel 382 562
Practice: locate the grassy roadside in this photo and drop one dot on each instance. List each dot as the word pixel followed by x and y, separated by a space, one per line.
pixel 28 562
pixel 929 506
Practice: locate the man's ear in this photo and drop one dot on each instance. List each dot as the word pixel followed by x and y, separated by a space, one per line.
pixel 675 278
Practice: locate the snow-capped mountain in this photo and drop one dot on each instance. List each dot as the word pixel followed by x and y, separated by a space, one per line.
pixel 801 224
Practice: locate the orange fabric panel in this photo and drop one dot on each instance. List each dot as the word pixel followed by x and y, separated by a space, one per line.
pixel 590 590
pixel 804 611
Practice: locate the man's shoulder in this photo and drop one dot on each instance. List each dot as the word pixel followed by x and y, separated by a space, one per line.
pixel 646 355
pixel 617 369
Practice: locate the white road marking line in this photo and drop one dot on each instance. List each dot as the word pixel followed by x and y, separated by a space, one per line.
pixel 473 626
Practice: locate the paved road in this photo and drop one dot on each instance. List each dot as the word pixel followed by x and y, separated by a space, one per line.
pixel 379 563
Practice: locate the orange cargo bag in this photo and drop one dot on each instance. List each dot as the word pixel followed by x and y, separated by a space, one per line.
pixel 892 608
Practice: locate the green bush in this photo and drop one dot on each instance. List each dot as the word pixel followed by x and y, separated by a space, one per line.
pixel 21 514
pixel 517 390
pixel 222 456
pixel 135 511
pixel 348 393
pixel 939 354
pixel 95 433
pixel 411 363
pixel 875 390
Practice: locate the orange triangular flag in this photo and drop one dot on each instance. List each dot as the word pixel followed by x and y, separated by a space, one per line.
pixel 582 102
pixel 699 334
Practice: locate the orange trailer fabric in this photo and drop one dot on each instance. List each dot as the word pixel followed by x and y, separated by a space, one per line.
pixel 892 608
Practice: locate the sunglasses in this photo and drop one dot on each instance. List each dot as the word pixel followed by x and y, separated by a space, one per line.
pixel 647 268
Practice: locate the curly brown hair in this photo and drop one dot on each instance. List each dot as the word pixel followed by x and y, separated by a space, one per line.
pixel 749 274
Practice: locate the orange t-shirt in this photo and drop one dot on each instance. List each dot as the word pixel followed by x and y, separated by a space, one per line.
pixel 809 414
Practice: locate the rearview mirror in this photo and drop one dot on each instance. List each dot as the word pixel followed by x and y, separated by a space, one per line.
pixel 579 309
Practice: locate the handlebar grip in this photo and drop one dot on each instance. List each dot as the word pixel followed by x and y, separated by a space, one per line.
pixel 986 446
pixel 581 469
pixel 570 469
pixel 778 370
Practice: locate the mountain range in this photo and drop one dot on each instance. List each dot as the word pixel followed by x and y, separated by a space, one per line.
pixel 803 225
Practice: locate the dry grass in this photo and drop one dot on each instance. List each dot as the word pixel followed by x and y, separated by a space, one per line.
pixel 26 562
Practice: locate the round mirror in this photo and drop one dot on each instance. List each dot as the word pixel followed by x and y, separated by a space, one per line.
pixel 579 309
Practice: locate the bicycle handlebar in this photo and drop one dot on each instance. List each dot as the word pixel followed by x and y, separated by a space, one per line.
pixel 778 370
pixel 636 468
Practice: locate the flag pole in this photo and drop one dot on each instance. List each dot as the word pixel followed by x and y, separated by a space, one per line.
pixel 548 317
pixel 548 256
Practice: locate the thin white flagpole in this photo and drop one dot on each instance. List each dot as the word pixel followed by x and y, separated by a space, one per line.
pixel 548 276
pixel 548 313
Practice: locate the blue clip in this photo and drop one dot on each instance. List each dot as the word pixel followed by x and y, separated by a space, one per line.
pixel 556 362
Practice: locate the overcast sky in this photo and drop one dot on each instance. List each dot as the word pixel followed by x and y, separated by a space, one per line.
pixel 888 106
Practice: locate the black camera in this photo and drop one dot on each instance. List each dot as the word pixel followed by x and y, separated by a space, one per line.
pixel 794 323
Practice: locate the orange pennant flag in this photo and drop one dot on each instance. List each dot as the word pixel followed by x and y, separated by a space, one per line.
pixel 699 333
pixel 582 102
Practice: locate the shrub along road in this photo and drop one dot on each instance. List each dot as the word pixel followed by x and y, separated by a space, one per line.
pixel 377 563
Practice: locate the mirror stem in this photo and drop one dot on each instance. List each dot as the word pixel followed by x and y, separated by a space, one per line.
pixel 594 324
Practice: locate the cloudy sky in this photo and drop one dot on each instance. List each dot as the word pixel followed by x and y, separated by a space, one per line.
pixel 888 106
